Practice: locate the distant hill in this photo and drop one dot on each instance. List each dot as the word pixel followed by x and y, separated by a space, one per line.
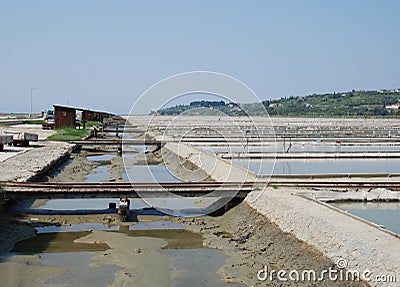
pixel 355 103
pixel 204 108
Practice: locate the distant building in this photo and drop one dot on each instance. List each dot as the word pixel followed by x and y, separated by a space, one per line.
pixel 386 91
pixel 393 107
pixel 66 116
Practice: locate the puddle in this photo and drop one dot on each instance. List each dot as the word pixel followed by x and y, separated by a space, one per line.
pixel 137 172
pixel 61 238
pixel 150 173
pixel 162 224
pixel 55 247
pixel 101 158
pixel 151 225
pixel 80 272
pixel 176 238
pixel 56 269
pixel 197 267
pixel 64 241
pixel 75 228
pixel 57 242
pixel 59 247
pixel 100 173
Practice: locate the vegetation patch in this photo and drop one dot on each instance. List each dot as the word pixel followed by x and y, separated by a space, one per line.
pixel 354 103
pixel 90 124
pixel 274 186
pixel 69 133
pixel 34 122
pixel 343 104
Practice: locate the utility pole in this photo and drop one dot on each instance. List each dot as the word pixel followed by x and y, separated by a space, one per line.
pixel 30 114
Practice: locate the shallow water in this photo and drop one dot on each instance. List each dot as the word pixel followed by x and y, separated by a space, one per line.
pixel 137 173
pixel 55 245
pixel 74 266
pixel 79 271
pixel 197 267
pixel 321 166
pixel 63 241
pixel 313 146
pixel 150 173
pixel 192 264
pixel 54 242
pixel 386 214
pixel 106 157
pixel 151 225
pixel 100 173
pixel 80 204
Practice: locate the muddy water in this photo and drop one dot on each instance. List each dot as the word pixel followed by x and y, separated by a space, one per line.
pixel 57 242
pixel 55 269
pixel 97 167
pixel 191 267
pixel 64 241
pixel 155 251
pixel 150 252
pixel 110 167
pixel 140 172
pixel 77 260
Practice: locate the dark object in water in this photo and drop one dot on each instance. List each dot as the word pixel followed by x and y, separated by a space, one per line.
pixel 123 209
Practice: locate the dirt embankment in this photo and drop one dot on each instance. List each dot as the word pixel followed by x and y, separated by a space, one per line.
pixel 79 167
pixel 253 242
pixel 13 230
pixel 73 170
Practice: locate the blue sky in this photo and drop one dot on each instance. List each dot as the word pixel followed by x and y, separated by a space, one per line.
pixel 105 54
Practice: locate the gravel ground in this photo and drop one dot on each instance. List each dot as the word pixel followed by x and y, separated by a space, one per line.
pixel 41 157
pixel 33 129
